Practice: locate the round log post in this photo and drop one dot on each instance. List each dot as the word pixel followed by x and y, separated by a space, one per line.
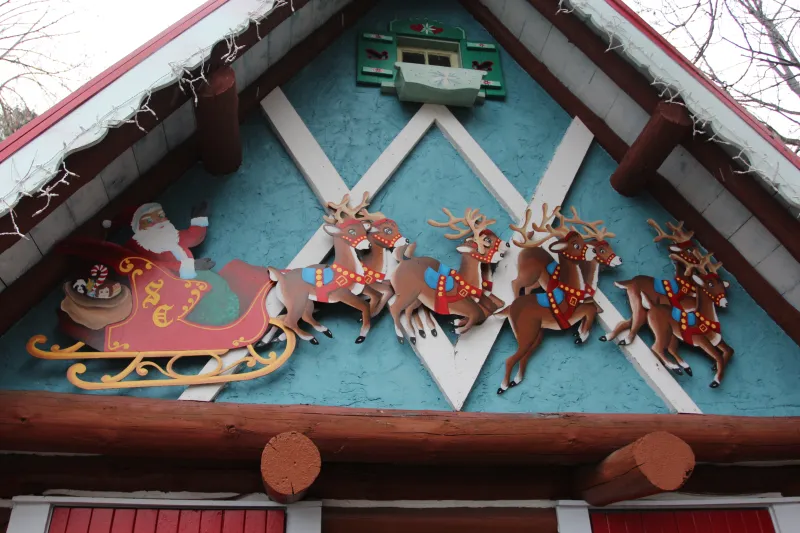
pixel 289 465
pixel 217 115
pixel 667 127
pixel 658 462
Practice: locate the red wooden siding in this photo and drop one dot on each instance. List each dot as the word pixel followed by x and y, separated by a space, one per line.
pixel 104 520
pixel 684 521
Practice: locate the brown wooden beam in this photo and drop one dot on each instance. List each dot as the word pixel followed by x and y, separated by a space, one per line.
pixel 656 463
pixel 763 204
pixel 217 115
pixel 781 311
pixel 668 126
pixel 127 426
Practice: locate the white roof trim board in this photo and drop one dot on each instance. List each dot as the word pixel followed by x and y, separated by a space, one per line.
pixel 28 170
pixel 773 167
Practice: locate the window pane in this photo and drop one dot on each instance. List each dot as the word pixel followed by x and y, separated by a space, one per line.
pixel 439 61
pixel 414 57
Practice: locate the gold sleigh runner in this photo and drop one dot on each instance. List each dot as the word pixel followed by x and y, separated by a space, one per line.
pixel 141 364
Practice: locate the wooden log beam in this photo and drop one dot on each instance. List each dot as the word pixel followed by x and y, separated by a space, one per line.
pixel 290 463
pixel 668 126
pixel 141 427
pixel 217 115
pixel 658 462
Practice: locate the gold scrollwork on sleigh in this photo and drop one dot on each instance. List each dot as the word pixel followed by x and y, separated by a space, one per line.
pixel 252 366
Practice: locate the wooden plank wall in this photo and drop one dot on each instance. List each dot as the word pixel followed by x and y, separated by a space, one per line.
pixel 684 521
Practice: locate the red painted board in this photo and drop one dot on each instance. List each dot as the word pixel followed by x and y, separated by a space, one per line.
pixel 233 522
pixel 79 519
pixel 600 523
pixel 145 521
pixel 189 522
pixel 101 520
pixel 59 520
pixel 168 521
pixel 686 522
pixel 124 520
pixel 255 521
pixel 276 521
pixel 211 521
pixel 765 521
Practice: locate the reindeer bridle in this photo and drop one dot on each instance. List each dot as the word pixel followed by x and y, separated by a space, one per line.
pixel 475 223
pixel 603 260
pixel 582 255
pixel 705 269
pixel 388 243
pixel 487 257
pixel 352 241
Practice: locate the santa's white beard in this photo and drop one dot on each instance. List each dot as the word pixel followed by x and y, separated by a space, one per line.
pixel 162 237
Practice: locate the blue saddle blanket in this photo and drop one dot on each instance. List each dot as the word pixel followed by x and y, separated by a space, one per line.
pixel 309 275
pixel 544 301
pixel 432 277
pixel 658 285
pixel 691 317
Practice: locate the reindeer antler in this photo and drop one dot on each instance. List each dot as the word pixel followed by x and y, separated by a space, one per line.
pixel 542 227
pixel 593 231
pixel 679 235
pixel 687 264
pixel 343 210
pixel 474 222
pixel 362 212
pixel 705 266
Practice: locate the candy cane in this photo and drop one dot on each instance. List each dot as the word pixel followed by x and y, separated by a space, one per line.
pixel 101 271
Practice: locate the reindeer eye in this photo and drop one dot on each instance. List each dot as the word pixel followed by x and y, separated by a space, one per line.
pixel 576 246
pixel 602 250
pixel 387 231
pixel 352 232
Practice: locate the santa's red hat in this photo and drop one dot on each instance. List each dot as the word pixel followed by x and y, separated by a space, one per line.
pixel 130 216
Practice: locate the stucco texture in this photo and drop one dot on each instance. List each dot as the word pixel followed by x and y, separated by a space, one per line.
pixel 265 212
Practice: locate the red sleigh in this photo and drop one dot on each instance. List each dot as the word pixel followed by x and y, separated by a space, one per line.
pixel 151 318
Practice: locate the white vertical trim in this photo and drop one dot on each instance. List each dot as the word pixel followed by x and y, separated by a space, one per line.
pixel 786 517
pixel 304 517
pixel 573 517
pixel 29 517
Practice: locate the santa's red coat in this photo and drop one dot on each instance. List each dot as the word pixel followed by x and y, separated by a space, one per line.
pixel 187 238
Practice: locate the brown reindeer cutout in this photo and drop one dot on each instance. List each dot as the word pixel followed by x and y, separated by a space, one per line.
pixel 533 261
pixel 342 281
pixel 678 292
pixel 568 296
pixel 379 264
pixel 699 327
pixel 424 281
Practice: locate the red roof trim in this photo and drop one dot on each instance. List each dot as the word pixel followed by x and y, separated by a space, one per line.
pixel 63 108
pixel 687 65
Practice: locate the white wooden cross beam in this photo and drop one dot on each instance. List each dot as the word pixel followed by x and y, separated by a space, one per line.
pixel 453 368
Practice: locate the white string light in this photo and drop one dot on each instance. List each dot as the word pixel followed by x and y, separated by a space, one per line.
pixel 752 161
pixel 187 73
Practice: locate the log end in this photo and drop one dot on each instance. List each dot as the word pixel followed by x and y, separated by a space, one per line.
pixel 290 463
pixel 664 459
pixel 674 113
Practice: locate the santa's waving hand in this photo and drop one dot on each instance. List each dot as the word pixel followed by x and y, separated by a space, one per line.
pixel 156 238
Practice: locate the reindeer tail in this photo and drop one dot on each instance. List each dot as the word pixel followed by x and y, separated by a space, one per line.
pixel 623 284
pixel 646 301
pixel 275 274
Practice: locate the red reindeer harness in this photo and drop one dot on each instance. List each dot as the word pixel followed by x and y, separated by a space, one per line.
pixel 462 289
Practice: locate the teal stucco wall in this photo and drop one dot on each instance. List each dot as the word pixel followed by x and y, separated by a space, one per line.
pixel 265 212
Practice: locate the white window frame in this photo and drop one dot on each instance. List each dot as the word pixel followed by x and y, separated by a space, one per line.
pixel 455 60
pixel 31 514
pixel 573 515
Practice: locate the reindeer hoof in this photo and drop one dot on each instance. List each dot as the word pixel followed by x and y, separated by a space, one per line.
pixel 714 367
pixel 500 390
pixel 360 320
pixel 328 333
pixel 260 345
pixel 688 370
pixel 576 333
pixel 578 341
pixel 360 339
pixel 679 371
pixel 401 340
pixel 314 341
pixel 623 343
pixel 512 384
pixel 603 338
pixel 413 340
pixel 422 333
pixel 435 333
pixel 714 384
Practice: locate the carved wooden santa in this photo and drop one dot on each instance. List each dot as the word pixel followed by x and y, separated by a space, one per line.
pixel 157 239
